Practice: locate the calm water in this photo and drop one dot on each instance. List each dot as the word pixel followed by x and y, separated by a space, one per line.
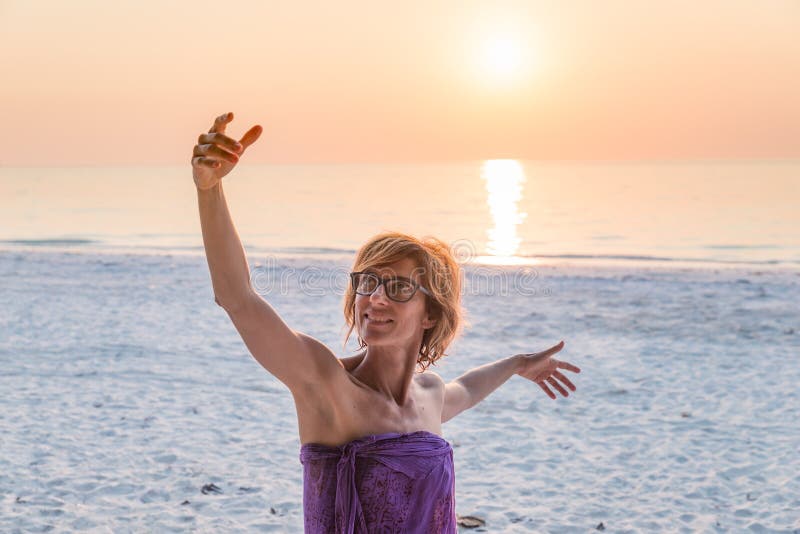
pixel 644 212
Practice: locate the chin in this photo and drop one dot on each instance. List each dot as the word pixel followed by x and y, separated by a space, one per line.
pixel 373 339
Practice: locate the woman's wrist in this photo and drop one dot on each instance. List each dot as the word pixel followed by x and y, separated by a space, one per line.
pixel 518 363
pixel 211 196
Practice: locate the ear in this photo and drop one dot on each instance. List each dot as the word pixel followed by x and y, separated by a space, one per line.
pixel 427 322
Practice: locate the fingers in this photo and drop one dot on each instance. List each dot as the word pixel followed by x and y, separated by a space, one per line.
pixel 215 148
pixel 216 135
pixel 214 151
pixel 565 380
pixel 552 350
pixel 569 367
pixel 557 386
pixel 546 390
pixel 205 162
pixel 251 136
pixel 223 140
pixel 543 383
pixel 221 122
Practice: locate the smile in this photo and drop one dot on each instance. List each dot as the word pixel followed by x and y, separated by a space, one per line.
pixel 376 321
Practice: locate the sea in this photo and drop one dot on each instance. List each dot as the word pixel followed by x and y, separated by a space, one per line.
pixel 128 402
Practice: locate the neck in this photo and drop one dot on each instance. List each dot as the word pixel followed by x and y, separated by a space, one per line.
pixel 389 371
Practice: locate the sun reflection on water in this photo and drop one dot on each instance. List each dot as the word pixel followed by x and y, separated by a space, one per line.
pixel 504 179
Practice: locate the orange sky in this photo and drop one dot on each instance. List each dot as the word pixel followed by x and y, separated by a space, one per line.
pixel 94 82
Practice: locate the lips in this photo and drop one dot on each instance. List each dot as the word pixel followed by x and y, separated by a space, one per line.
pixel 377 320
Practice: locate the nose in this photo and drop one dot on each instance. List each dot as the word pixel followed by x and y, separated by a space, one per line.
pixel 379 294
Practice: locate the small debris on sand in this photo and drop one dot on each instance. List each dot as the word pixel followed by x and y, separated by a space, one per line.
pixel 469 521
pixel 210 488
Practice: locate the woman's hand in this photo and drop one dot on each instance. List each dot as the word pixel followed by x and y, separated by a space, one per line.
pixel 215 154
pixel 542 368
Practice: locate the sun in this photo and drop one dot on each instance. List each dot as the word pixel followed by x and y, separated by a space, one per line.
pixel 499 54
pixel 501 57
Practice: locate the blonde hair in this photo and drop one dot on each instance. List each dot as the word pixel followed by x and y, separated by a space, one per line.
pixel 440 274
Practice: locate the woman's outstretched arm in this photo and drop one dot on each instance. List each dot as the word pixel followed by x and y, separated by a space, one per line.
pixel 476 384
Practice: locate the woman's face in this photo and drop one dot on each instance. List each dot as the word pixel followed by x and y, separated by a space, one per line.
pixel 384 322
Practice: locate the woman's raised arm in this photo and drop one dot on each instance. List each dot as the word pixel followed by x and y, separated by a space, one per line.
pixel 214 156
pixel 294 358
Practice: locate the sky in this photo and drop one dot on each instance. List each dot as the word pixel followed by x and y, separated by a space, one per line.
pixel 92 82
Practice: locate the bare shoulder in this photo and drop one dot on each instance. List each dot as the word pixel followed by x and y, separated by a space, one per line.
pixel 430 380
pixel 315 398
pixel 323 357
pixel 432 396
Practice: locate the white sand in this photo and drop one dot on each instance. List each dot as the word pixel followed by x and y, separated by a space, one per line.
pixel 125 390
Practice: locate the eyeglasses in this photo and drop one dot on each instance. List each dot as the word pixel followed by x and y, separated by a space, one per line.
pixel 397 288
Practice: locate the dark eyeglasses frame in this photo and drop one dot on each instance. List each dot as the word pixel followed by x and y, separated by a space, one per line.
pixel 382 281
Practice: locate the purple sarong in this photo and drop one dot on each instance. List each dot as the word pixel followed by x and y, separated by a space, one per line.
pixel 381 483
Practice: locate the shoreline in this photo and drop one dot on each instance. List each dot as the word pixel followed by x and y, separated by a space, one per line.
pixel 568 261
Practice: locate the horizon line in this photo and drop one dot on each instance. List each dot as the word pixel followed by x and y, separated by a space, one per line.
pixel 790 159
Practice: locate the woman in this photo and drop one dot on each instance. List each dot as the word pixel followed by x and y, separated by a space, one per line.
pixel 370 425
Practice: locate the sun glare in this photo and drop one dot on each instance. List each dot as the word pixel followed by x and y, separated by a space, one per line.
pixel 502 56
pixel 501 53
pixel 504 181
